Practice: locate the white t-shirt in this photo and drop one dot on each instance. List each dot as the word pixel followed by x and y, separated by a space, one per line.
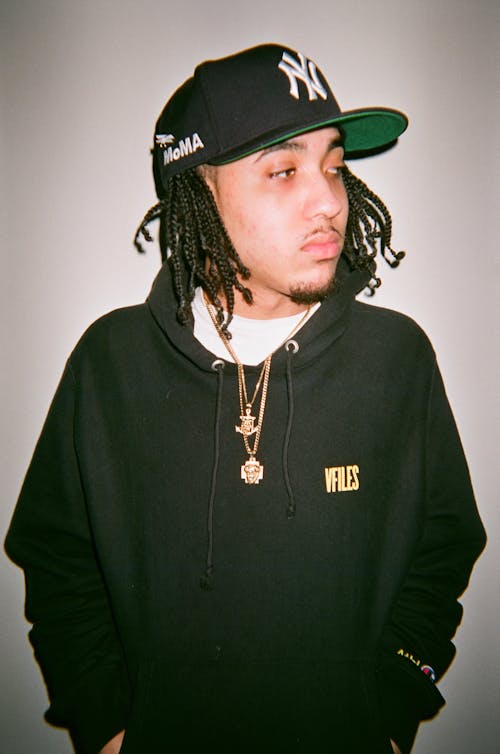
pixel 252 339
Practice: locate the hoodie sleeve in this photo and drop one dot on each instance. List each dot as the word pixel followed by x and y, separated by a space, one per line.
pixel 73 633
pixel 416 644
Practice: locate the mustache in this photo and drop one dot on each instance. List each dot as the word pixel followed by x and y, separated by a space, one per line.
pixel 323 229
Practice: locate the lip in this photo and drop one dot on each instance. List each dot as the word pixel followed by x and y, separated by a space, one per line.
pixel 325 247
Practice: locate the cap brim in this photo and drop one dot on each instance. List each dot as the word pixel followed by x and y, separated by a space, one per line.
pixel 365 131
pixel 373 128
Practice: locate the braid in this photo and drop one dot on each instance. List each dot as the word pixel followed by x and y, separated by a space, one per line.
pixel 193 237
pixel 192 234
pixel 369 229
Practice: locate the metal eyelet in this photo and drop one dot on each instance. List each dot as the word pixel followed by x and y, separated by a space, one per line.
pixel 292 345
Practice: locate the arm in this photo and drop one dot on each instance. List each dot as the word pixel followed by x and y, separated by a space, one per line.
pixel 73 634
pixel 426 612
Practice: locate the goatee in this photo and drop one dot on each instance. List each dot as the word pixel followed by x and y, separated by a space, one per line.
pixel 309 294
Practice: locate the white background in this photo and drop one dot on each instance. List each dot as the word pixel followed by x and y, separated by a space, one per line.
pixel 81 86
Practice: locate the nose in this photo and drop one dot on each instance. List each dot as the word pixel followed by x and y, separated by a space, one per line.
pixel 325 195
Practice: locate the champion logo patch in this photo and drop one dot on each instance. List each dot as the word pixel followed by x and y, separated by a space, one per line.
pixel 188 145
pixel 302 70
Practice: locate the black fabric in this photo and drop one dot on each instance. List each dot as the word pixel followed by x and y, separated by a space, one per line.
pixel 304 642
pixel 407 697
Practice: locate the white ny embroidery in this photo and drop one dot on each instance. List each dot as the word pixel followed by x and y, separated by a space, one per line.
pixel 304 71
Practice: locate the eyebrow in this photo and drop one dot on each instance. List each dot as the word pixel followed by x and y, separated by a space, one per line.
pixel 294 146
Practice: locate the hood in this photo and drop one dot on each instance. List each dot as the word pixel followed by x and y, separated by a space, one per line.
pixel 327 324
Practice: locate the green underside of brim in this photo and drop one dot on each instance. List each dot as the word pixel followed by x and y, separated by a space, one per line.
pixel 367 131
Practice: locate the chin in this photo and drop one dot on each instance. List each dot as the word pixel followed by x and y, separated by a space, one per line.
pixel 311 293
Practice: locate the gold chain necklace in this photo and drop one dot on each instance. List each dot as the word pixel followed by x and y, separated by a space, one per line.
pixel 252 471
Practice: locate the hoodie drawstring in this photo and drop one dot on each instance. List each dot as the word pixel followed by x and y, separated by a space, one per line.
pixel 291 347
pixel 206 581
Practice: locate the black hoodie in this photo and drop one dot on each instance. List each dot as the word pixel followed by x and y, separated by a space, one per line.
pixel 203 614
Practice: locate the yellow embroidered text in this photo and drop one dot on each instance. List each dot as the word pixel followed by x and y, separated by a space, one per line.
pixel 342 478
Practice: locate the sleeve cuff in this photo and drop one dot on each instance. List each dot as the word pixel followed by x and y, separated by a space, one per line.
pixel 99 710
pixel 407 696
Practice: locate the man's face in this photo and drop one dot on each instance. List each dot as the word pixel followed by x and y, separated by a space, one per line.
pixel 285 209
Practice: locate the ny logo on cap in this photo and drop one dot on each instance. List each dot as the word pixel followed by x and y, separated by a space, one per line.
pixel 304 71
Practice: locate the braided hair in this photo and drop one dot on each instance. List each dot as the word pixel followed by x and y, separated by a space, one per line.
pixel 193 237
pixel 368 230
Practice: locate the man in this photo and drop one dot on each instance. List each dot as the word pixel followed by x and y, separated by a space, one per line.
pixel 248 518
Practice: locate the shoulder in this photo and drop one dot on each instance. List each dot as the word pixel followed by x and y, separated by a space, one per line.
pixel 381 320
pixel 120 329
pixel 390 335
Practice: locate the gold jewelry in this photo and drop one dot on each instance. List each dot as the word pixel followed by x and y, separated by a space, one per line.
pixel 252 471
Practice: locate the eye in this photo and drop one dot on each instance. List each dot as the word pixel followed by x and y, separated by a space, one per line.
pixel 335 170
pixel 284 173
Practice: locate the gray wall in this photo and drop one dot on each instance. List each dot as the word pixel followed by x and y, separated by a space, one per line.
pixel 82 84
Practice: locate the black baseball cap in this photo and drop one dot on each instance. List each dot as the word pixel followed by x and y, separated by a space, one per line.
pixel 243 103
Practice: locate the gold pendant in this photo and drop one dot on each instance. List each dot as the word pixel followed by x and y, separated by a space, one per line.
pixel 252 471
pixel 247 427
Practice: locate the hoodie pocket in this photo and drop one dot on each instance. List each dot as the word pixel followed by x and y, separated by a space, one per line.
pixel 379 736
pixel 260 707
pixel 141 701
